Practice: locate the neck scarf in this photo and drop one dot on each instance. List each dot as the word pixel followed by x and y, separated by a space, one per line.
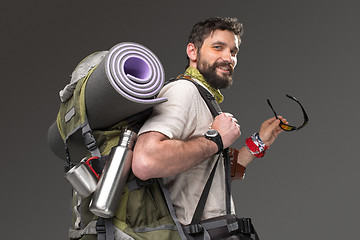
pixel 194 73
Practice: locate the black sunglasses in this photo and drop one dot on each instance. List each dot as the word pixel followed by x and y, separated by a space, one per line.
pixel 287 127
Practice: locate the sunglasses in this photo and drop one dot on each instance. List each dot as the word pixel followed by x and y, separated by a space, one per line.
pixel 287 127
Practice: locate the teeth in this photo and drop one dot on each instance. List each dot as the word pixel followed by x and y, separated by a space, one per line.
pixel 224 68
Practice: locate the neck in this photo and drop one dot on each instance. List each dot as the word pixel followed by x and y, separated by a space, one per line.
pixel 194 73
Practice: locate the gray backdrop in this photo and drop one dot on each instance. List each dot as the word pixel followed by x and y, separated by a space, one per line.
pixel 305 187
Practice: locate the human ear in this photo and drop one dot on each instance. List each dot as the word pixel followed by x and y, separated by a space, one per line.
pixel 191 51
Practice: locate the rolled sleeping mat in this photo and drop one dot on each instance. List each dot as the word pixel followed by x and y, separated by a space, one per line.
pixel 124 83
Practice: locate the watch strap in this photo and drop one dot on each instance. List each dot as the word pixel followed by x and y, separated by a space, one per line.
pixel 216 139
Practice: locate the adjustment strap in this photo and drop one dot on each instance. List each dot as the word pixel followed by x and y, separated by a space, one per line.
pixel 227 166
pixel 201 204
pixel 68 160
pixel 90 141
pixel 171 209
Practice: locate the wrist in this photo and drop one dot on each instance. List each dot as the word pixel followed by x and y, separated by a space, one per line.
pixel 214 136
pixel 267 143
pixel 256 146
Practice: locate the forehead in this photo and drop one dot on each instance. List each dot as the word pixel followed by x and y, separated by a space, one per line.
pixel 223 36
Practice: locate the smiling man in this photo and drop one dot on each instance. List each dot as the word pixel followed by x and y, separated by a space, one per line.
pixel 216 59
pixel 181 141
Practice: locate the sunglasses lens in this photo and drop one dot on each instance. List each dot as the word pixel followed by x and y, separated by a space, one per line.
pixel 286 127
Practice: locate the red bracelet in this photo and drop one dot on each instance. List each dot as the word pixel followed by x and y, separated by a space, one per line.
pixel 255 146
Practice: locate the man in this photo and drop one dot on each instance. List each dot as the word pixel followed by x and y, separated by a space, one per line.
pixel 172 143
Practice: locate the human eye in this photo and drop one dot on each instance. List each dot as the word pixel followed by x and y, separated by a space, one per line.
pixel 217 47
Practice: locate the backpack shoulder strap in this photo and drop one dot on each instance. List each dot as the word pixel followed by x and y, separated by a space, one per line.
pixel 215 110
pixel 205 94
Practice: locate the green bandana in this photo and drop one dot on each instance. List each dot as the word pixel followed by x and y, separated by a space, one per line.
pixel 194 73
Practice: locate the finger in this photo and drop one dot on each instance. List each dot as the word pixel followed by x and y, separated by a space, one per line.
pixel 238 129
pixel 234 120
pixel 275 124
pixel 270 120
pixel 232 117
pixel 229 114
pixel 278 129
pixel 283 120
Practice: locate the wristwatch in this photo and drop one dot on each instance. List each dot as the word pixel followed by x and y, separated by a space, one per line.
pixel 213 135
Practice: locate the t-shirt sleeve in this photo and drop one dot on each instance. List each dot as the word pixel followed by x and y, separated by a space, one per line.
pixel 177 117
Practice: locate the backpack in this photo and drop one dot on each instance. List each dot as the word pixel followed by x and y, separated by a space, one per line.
pixel 146 214
pixel 145 210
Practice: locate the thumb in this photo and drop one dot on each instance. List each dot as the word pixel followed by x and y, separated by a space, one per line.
pixel 275 124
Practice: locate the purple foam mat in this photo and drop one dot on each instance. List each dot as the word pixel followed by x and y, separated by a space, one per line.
pixel 134 71
pixel 126 82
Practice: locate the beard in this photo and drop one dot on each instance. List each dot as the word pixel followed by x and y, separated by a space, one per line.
pixel 212 77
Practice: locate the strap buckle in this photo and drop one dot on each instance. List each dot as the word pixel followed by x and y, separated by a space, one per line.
pixel 245 225
pixel 90 141
pixel 100 226
pixel 105 229
pixel 89 137
pixel 194 228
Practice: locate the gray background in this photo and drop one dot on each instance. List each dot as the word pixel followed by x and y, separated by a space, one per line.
pixel 305 187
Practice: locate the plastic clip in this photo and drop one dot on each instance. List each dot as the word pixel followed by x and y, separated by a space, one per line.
pixel 245 225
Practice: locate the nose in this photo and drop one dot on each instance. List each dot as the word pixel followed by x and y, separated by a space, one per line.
pixel 226 56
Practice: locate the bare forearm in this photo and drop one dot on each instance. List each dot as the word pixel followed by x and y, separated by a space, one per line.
pixel 244 157
pixel 157 156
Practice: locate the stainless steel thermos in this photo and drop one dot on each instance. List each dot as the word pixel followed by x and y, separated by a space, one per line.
pixel 110 186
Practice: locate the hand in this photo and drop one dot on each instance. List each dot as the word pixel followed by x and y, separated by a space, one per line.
pixel 270 129
pixel 228 128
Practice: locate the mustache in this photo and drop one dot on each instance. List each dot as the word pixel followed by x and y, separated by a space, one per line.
pixel 224 64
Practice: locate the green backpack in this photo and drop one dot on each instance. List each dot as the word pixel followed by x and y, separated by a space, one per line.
pixel 143 211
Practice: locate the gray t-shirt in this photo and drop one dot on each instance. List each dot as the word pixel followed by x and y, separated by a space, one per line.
pixel 183 116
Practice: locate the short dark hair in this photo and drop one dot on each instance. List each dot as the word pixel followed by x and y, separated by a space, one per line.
pixel 203 29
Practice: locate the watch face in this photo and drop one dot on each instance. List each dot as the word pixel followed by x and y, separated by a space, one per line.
pixel 211 133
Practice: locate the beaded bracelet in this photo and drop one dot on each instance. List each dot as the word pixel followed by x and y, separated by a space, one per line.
pixel 255 146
